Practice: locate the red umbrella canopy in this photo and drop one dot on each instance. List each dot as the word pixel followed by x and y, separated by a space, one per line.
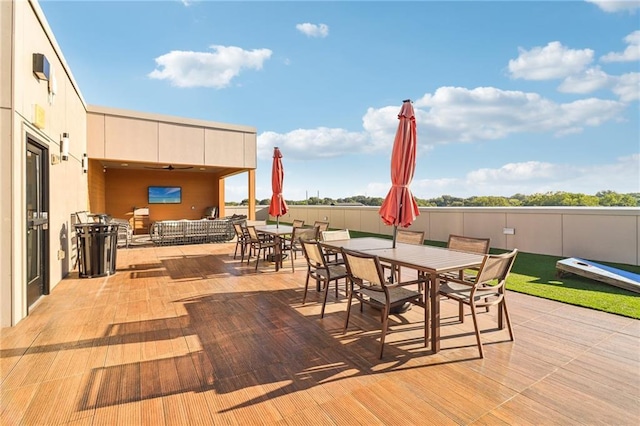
pixel 399 207
pixel 278 206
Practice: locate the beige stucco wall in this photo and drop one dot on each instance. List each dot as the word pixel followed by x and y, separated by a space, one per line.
pixel 133 136
pixel 24 32
pixel 6 159
pixel 113 134
pixel 604 234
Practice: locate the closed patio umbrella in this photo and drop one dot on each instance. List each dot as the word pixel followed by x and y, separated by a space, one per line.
pixel 399 207
pixel 278 205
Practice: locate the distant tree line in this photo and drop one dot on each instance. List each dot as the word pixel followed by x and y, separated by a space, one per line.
pixel 559 198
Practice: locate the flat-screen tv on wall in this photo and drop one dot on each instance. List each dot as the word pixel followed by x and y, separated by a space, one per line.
pixel 165 195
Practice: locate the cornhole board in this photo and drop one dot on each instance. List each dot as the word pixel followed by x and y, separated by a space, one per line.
pixel 596 271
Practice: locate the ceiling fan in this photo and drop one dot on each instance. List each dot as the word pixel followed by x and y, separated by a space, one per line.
pixel 169 167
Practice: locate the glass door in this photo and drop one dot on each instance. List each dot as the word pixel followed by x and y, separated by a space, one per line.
pixel 37 222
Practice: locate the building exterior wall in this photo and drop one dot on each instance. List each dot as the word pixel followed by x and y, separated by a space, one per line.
pixel 101 133
pixel 610 234
pixel 25 32
pixel 6 160
pixel 132 136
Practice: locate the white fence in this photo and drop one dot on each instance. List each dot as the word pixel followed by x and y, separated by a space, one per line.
pixel 609 234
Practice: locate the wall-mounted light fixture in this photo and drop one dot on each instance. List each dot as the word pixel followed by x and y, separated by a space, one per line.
pixel 85 163
pixel 64 147
pixel 40 66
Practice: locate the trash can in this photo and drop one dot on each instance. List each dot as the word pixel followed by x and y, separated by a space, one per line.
pixel 97 249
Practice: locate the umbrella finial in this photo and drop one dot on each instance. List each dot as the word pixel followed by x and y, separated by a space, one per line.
pixel 407 100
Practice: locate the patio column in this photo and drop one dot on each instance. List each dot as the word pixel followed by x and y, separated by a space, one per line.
pixel 251 184
pixel 221 198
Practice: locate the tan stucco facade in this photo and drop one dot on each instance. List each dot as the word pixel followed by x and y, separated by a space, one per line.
pixel 108 136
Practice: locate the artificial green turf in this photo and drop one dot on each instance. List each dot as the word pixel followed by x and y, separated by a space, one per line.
pixel 535 274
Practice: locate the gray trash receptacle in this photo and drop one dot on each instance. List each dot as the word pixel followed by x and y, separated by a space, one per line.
pixel 97 249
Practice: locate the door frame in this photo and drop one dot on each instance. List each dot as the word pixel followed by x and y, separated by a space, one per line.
pixel 31 140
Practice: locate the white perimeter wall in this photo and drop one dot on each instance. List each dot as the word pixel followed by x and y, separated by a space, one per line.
pixel 610 234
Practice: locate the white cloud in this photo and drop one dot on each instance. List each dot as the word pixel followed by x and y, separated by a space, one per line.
pixel 549 62
pixel 631 53
pixel 207 69
pixel 513 171
pixel 313 30
pixel 321 142
pixel 451 114
pixel 535 177
pixel 627 87
pixel 589 81
pixel 616 5
pixel 486 113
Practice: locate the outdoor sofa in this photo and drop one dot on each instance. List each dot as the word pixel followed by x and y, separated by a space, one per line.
pixel 186 231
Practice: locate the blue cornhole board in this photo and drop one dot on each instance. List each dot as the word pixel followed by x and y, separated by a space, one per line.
pixel 596 271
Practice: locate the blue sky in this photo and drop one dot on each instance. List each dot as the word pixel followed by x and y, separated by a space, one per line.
pixel 510 97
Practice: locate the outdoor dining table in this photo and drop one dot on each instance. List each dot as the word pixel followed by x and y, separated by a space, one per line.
pixel 277 231
pixel 428 260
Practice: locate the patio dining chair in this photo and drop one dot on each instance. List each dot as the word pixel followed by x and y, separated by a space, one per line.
pixel 242 241
pixel 297 223
pixel 320 270
pixel 487 289
pixel 335 235
pixel 324 226
pixel 293 245
pixel 258 245
pixel 368 285
pixel 470 245
pixel 406 237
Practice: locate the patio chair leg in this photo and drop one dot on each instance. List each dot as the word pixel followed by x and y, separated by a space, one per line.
pixel 506 316
pixel 258 259
pixel 324 302
pixel 475 325
pixel 346 321
pixel 306 287
pixel 385 323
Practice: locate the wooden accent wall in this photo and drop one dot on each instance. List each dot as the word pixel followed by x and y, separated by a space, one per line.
pixel 96 179
pixel 126 189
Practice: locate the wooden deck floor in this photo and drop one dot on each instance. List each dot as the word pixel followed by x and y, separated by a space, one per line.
pixel 187 335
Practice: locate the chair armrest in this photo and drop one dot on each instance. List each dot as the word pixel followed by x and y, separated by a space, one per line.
pixel 452 279
pixel 406 283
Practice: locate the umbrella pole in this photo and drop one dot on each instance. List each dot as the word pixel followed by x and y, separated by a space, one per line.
pixel 395 227
pixel 277 221
pixel 395 232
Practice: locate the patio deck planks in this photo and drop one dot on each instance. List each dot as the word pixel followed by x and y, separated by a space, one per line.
pixel 186 334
